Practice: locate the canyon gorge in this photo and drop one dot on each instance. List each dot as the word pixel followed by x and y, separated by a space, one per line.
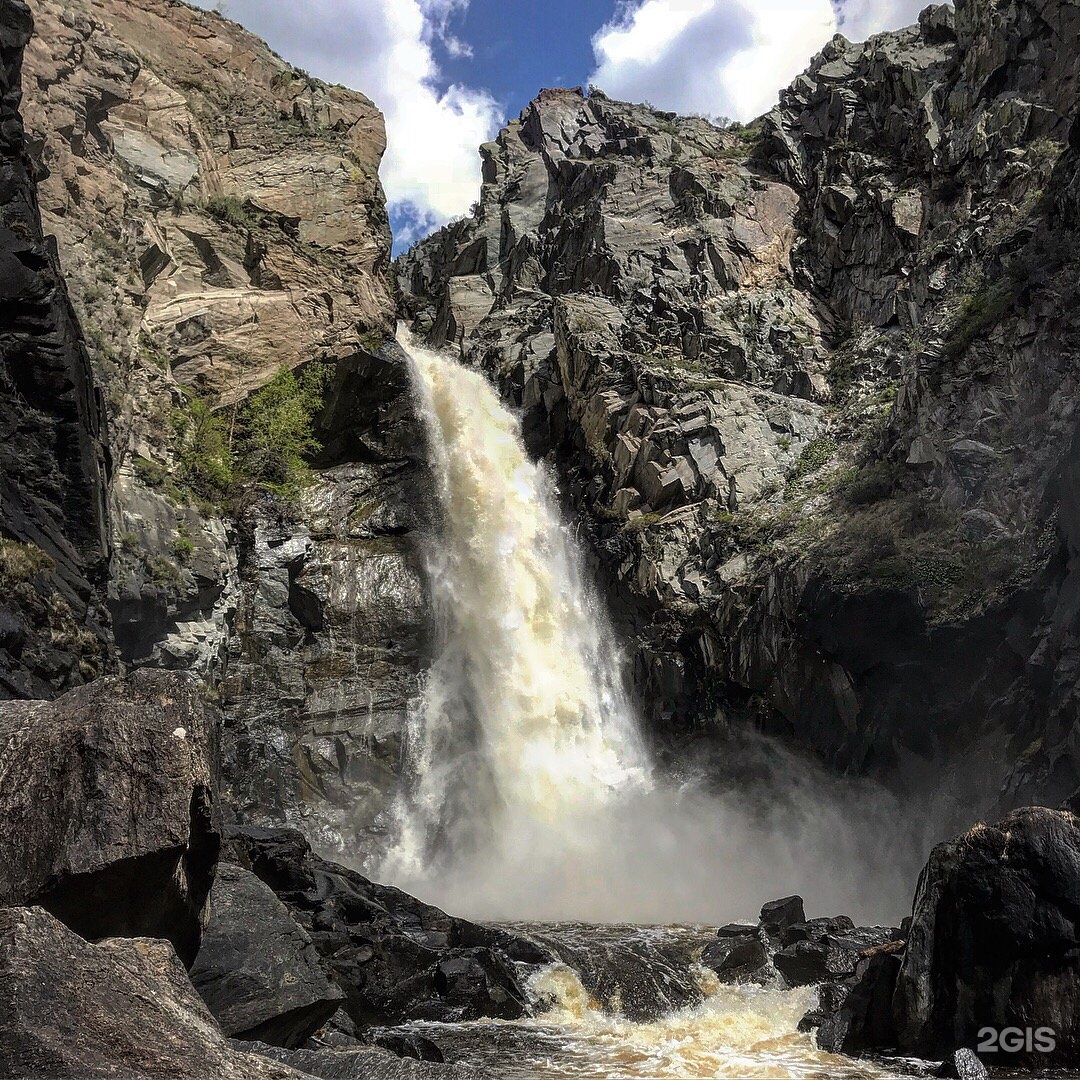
pixel 695 522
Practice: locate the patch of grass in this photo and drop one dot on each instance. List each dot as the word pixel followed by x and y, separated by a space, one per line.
pixel 979 313
pixel 232 210
pixel 183 546
pixel 21 562
pixel 163 571
pixel 872 483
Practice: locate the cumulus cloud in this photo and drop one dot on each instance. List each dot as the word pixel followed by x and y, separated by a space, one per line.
pixel 726 57
pixel 386 49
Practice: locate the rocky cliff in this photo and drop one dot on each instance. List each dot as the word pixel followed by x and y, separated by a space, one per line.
pixel 218 216
pixel 54 463
pixel 809 385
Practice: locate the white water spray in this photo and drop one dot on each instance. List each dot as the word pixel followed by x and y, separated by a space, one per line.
pixel 528 793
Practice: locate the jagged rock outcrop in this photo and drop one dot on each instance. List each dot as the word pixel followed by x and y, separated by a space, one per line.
pixel 331 624
pixel 53 459
pixel 122 1009
pixel 808 383
pixel 218 216
pixel 995 942
pixel 257 970
pixel 109 799
pixel 396 957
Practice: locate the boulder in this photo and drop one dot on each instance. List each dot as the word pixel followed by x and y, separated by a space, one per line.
pixel 396 958
pixel 824 950
pixel 258 971
pixel 963 1065
pixel 995 942
pixel 108 799
pixel 737 954
pixel 122 1009
pixel 856 1015
pixel 776 915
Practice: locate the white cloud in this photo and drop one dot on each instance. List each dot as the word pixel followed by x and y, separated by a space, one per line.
pixel 726 57
pixel 385 48
pixel 861 18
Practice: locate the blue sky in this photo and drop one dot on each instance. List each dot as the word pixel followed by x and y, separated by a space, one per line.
pixel 447 74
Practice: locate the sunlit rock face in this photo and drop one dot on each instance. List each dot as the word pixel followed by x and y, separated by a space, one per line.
pixel 808 385
pixel 218 216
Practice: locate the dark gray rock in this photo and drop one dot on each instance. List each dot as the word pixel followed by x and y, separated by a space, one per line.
pixel 736 958
pixel 777 915
pixel 257 970
pixel 53 463
pixel 823 950
pixel 856 1016
pixel 963 1065
pixel 122 1009
pixel 395 957
pixel 995 940
pixel 110 798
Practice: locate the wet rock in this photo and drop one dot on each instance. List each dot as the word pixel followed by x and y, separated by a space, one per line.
pixel 962 1065
pixel 110 797
pixel 856 1015
pixel 823 950
pixel 359 1063
pixel 777 915
pixel 737 955
pixel 257 970
pixel 408 1045
pixel 994 940
pixel 395 957
pixel 70 1010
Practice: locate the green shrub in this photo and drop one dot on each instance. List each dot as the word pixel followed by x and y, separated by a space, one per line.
pixel 979 313
pixel 183 546
pixel 277 432
pixel 872 483
pixel 205 458
pixel 815 456
pixel 151 473
pixel 230 209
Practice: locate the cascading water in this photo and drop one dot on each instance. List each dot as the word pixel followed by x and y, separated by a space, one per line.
pixel 523 734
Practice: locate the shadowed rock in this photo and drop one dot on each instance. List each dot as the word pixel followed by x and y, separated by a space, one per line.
pixel 396 957
pixel 258 971
pixel 995 940
pixel 108 799
pixel 122 1009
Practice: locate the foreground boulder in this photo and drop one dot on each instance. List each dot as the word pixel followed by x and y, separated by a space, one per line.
pixel 396 958
pixel 258 971
pixel 995 942
pixel 108 801
pixel 123 1009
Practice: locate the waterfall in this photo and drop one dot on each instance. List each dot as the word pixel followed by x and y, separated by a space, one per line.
pixel 527 793
pixel 524 729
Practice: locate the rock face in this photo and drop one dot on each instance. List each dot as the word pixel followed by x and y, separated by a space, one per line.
pixel 994 941
pixel 396 958
pixel 808 384
pixel 331 624
pixel 53 465
pixel 257 970
pixel 218 216
pixel 110 804
pixel 121 1009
